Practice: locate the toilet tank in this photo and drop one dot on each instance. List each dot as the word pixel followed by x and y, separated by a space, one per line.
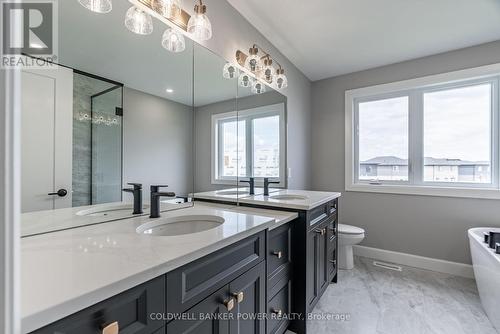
pixel 486 265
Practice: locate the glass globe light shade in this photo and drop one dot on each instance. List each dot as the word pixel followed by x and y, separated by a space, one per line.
pixel 199 25
pixel 97 6
pixel 245 80
pixel 280 79
pixel 173 41
pixel 168 8
pixel 268 70
pixel 258 87
pixel 138 21
pixel 230 71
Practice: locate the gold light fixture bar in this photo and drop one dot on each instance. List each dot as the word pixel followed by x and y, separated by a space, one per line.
pixel 241 56
pixel 180 20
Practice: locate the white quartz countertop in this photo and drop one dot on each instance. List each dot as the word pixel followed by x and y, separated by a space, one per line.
pixel 66 271
pixel 230 195
pixel 310 200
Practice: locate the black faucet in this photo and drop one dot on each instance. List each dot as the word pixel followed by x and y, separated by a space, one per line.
pixel 266 185
pixel 155 200
pixel 137 192
pixel 251 182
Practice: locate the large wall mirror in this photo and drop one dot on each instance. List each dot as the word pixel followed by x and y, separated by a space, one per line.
pixel 122 109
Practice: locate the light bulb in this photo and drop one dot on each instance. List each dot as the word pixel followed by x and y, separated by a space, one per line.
pixel 253 60
pixel 280 79
pixel 97 6
pixel 258 87
pixel 138 21
pixel 199 25
pixel 268 70
pixel 167 8
pixel 230 71
pixel 173 41
pixel 245 80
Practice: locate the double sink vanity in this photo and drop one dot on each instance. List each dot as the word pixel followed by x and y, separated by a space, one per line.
pixel 201 269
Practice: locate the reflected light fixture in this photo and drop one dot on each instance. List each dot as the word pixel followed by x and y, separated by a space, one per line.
pixel 230 71
pixel 138 21
pixel 281 80
pixel 97 6
pixel 258 87
pixel 245 80
pixel 253 60
pixel 173 40
pixel 268 70
pixel 168 8
pixel 199 25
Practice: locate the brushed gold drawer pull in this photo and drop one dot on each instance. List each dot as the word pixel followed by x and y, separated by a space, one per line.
pixel 322 231
pixel 279 313
pixel 229 304
pixel 279 254
pixel 239 296
pixel 112 328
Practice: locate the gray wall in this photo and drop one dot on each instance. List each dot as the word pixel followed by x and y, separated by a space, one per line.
pixel 157 142
pixel 203 132
pixel 232 32
pixel 428 226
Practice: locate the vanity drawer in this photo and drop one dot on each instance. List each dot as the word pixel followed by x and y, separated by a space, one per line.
pixel 195 281
pixel 318 215
pixel 130 310
pixel 279 250
pixel 280 303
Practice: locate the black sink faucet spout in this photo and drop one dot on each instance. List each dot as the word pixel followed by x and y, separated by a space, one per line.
pixel 156 194
pixel 266 185
pixel 251 182
pixel 137 192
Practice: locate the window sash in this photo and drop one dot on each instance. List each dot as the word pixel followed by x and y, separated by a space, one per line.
pixel 416 134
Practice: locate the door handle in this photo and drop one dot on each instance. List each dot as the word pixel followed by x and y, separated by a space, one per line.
pixel 60 193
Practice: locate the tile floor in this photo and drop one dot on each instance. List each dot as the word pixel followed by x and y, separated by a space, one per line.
pixel 413 301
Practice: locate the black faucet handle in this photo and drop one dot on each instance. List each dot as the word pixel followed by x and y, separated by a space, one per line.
pixel 268 181
pixel 155 188
pixel 250 180
pixel 137 186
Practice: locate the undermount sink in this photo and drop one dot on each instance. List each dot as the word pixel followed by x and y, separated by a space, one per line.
pixel 233 192
pixel 172 226
pixel 104 211
pixel 289 197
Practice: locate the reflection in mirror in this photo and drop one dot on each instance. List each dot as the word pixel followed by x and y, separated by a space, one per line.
pixel 240 142
pixel 119 110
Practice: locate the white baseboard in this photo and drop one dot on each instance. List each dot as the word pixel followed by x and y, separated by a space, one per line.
pixel 442 266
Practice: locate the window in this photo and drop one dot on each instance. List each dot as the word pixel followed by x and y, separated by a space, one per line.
pixel 249 143
pixel 436 135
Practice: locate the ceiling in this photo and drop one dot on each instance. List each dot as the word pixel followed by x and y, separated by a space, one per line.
pixel 326 38
pixel 100 44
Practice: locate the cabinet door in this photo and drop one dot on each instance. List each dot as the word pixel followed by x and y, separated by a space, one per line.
pixel 249 293
pixel 323 267
pixel 210 316
pixel 312 261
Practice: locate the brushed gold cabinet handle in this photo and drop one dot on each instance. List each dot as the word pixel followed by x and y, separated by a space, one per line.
pixel 239 296
pixel 279 254
pixel 112 328
pixel 279 313
pixel 229 304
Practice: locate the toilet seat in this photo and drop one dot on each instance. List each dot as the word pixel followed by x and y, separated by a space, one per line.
pixel 350 230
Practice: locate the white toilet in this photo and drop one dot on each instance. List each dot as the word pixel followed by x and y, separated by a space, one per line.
pixel 348 237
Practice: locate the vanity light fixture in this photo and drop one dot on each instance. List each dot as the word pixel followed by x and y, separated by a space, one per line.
pixel 230 71
pixel 245 80
pixel 173 40
pixel 138 21
pixel 262 66
pixel 199 25
pixel 167 8
pixel 258 87
pixel 97 6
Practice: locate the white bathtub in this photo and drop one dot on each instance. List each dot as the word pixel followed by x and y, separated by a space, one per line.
pixel 487 272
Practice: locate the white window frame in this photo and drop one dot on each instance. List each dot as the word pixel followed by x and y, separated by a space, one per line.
pixel 415 88
pixel 249 115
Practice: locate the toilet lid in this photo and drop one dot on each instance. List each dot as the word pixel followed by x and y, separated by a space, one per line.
pixel 348 229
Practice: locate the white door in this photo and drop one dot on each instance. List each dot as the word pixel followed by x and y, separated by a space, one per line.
pixel 47 139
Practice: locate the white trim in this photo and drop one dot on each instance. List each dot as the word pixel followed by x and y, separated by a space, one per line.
pixel 416 186
pixel 416 261
pixel 274 109
pixel 10 208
